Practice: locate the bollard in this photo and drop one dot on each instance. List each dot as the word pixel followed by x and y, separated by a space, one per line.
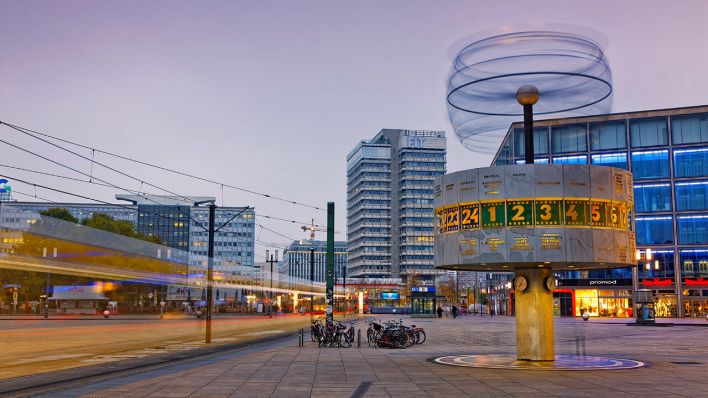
pixel 358 338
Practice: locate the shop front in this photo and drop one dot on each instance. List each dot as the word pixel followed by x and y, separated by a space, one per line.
pixel 665 297
pixel 596 297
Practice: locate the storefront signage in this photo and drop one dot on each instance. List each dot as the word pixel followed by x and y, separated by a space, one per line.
pixel 657 282
pixel 595 282
pixel 695 281
pixel 389 296
pixel 423 289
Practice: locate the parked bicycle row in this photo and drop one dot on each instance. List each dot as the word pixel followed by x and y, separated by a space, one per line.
pixel 392 334
pixel 337 335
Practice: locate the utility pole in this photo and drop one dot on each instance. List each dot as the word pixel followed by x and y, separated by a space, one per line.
pixel 312 281
pixel 210 271
pixel 269 259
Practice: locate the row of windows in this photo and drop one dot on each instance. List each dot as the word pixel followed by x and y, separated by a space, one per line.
pixel 687 129
pixel 692 230
pixel 689 162
pixel 657 197
pixel 223 253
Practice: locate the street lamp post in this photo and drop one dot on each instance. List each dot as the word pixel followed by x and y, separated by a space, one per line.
pixel 527 95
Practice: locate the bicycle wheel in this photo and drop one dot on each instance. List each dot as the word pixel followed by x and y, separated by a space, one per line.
pixel 421 337
pixel 343 340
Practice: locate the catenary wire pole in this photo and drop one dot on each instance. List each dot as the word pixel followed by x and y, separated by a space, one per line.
pixel 210 271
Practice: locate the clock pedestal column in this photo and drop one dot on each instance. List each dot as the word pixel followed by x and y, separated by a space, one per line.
pixel 534 316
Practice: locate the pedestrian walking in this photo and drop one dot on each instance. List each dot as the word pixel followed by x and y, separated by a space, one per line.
pixel 440 311
pixel 454 311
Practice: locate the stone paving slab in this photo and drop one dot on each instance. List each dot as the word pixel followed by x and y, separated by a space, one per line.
pixel 285 370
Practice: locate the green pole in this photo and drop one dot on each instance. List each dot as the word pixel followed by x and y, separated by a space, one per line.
pixel 329 272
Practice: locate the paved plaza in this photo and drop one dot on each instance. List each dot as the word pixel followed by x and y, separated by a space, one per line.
pixel 677 361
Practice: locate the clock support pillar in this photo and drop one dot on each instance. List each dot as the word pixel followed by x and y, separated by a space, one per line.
pixel 534 317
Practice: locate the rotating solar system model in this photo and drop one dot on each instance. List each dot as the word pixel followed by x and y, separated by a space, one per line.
pixel 531 219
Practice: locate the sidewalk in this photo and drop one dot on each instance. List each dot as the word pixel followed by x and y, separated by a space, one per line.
pixel 678 360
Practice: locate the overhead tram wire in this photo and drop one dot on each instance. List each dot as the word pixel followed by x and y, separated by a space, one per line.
pixel 128 190
pixel 102 201
pixel 146 196
pixel 33 132
pixel 93 161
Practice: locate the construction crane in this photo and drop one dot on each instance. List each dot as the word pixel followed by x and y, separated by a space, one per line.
pixel 314 228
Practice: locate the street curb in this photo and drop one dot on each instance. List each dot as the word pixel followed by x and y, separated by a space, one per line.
pixel 46 382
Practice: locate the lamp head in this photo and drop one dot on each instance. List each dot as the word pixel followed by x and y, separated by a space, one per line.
pixel 527 94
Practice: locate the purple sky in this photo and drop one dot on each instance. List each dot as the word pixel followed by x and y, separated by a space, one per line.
pixel 272 95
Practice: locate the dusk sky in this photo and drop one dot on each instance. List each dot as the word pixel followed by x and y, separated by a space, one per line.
pixel 272 95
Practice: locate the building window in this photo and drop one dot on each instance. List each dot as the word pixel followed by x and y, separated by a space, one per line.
pixel 655 231
pixel 650 164
pixel 692 195
pixel 694 263
pixel 540 141
pixel 611 159
pixel 691 162
pixel 649 132
pixel 693 230
pixel 536 161
pixel 569 139
pixel 608 136
pixel 653 197
pixel 660 266
pixel 689 129
pixel 580 159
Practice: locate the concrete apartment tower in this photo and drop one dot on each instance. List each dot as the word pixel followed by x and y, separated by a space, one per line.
pixel 390 216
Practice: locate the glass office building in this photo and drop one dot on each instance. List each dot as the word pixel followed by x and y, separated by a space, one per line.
pixel 390 203
pixel 296 260
pixel 667 151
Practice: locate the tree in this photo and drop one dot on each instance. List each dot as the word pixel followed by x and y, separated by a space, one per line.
pixel 446 288
pixel 60 213
pixel 121 227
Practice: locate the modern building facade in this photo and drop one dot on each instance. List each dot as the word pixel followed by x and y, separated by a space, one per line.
pixel 297 263
pixel 180 222
pixel 390 203
pixel 667 152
